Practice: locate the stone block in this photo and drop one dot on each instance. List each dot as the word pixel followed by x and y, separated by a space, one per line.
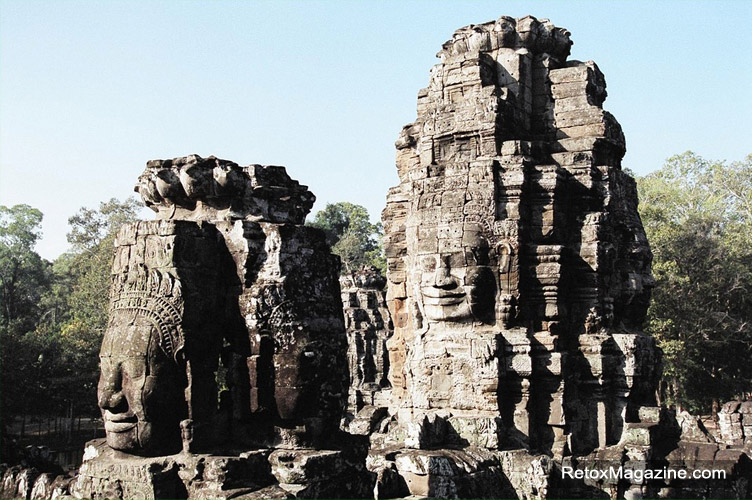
pixel 475 431
pixel 304 466
pixel 637 434
pixel 42 489
pixel 367 419
pixel 571 74
pixel 250 470
pixel 126 235
pixel 128 478
pixel 650 414
pixel 591 116
pixel 428 474
pixel 688 453
pixel 25 483
pixel 569 90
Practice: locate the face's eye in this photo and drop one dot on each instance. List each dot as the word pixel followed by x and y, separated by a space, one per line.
pixel 108 366
pixel 457 260
pixel 428 263
pixel 129 367
pixel 134 367
pixel 477 256
pixel 471 258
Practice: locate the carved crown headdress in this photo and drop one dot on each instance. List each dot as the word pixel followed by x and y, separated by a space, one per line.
pixel 157 296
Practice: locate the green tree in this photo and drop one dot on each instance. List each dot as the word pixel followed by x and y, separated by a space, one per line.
pixel 698 217
pixel 24 278
pixel 81 293
pixel 23 273
pixel 92 237
pixel 351 235
pixel 90 227
pixel 54 315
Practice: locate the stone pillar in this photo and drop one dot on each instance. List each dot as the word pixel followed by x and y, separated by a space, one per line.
pixel 369 327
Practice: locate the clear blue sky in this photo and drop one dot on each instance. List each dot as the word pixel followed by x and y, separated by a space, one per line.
pixel 91 90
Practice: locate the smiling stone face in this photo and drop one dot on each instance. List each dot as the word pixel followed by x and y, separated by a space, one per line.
pixel 140 387
pixel 142 384
pixel 456 285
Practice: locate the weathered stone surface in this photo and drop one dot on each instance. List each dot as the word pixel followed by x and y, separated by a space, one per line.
pixel 274 491
pixel 367 420
pixel 195 188
pixel 692 428
pixel 735 424
pixel 106 473
pixel 247 292
pixel 10 477
pixel 467 473
pixel 226 287
pixel 42 487
pixel 518 280
pixel 368 326
pixel 165 328
pixel 25 483
pixel 61 487
pixel 518 269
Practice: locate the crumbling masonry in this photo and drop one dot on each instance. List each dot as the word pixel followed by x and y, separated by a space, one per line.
pixel 519 272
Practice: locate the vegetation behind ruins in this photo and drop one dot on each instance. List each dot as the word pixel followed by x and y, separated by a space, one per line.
pixel 697 214
pixel 352 236
pixel 54 313
pixel 698 218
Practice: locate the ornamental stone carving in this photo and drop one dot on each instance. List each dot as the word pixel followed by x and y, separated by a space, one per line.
pixel 224 364
pixel 518 269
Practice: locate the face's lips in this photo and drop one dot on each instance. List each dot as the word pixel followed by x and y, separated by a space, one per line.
pixel 438 297
pixel 119 422
pixel 438 293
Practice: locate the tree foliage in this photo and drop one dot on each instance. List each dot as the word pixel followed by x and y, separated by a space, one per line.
pixel 24 278
pixel 54 314
pixel 351 235
pixel 90 227
pixel 23 273
pixel 82 279
pixel 698 218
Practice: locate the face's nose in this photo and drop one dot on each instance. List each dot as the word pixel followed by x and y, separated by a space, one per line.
pixel 110 391
pixel 443 277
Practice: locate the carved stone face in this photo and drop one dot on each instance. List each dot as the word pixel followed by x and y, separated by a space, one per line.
pixel 140 388
pixel 456 286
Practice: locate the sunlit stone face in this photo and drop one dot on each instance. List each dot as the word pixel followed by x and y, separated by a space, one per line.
pixel 456 286
pixel 140 388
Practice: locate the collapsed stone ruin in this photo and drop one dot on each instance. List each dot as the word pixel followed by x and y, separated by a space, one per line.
pixel 735 423
pixel 506 347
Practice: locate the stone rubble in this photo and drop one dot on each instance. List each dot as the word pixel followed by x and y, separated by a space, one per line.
pixel 735 423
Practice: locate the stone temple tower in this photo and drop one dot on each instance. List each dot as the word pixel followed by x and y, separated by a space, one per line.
pixel 518 267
